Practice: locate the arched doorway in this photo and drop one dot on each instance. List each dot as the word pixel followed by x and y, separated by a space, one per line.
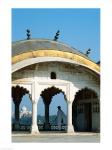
pixel 85 111
pixel 22 109
pixel 52 98
pixel 58 100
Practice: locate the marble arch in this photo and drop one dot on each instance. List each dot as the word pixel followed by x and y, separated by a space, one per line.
pixel 85 108
pixel 47 95
pixel 34 60
pixel 17 94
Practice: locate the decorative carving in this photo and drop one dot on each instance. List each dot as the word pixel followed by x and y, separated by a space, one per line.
pixel 28 34
pixel 96 108
pixel 18 92
pixel 88 52
pixel 57 35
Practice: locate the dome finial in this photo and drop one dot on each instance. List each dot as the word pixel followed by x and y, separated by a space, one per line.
pixel 28 34
pixel 88 52
pixel 57 35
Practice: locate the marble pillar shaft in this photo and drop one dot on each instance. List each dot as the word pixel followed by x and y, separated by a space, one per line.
pixel 34 127
pixel 70 126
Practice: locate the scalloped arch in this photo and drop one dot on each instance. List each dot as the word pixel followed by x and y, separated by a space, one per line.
pixel 53 91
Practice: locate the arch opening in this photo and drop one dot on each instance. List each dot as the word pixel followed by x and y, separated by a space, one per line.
pixel 52 98
pixel 86 111
pixel 21 109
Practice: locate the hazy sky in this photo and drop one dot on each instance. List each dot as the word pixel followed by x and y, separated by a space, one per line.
pixel 79 28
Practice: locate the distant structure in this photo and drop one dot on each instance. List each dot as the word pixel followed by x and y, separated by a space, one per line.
pixel 25 116
pixel 42 67
pixel 25 112
pixel 57 35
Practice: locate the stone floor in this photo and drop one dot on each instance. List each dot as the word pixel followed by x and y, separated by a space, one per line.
pixel 56 138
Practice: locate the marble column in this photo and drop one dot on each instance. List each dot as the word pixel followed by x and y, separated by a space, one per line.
pixel 34 127
pixel 70 126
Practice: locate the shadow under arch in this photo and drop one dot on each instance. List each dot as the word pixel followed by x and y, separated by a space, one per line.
pixel 18 92
pixel 47 95
pixel 86 111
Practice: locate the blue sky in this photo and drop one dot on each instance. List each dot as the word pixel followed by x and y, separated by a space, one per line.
pixel 79 28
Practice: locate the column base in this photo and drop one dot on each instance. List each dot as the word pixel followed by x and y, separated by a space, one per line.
pixel 34 129
pixel 70 129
